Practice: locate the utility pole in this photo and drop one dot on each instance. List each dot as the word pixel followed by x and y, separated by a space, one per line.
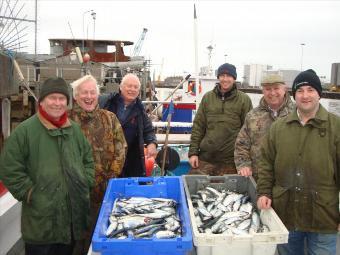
pixel 83 43
pixel 35 29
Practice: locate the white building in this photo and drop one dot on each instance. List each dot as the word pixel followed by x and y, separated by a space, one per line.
pixel 253 74
pixel 287 74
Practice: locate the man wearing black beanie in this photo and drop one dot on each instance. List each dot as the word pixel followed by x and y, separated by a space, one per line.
pixel 218 120
pixel 300 169
pixel 47 165
pixel 309 78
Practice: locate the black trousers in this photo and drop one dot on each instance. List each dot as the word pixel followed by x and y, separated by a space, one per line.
pixel 49 249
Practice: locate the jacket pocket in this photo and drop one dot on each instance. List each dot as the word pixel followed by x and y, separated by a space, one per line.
pixel 218 134
pixel 281 202
pixel 41 201
pixel 325 210
pixel 38 228
pixel 39 216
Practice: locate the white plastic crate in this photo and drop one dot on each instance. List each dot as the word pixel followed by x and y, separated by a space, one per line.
pixel 218 244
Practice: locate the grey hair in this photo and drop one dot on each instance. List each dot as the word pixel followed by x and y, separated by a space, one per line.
pixel 75 85
pixel 129 76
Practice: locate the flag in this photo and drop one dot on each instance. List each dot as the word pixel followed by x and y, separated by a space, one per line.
pixel 169 111
pixel 171 107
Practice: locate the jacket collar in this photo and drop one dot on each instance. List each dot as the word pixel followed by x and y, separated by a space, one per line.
pixel 287 102
pixel 49 125
pixel 230 94
pixel 82 114
pixel 320 117
pixel 116 97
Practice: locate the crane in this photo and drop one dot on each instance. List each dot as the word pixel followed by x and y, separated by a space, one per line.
pixel 139 44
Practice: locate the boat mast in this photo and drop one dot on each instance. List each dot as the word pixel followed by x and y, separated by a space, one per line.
pixel 196 59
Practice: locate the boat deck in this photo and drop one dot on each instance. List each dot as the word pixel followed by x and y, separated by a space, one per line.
pixel 174 138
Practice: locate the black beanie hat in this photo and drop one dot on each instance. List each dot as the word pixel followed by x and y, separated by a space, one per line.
pixel 227 69
pixel 54 85
pixel 307 78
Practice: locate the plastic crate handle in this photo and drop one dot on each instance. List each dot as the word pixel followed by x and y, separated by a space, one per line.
pixel 147 180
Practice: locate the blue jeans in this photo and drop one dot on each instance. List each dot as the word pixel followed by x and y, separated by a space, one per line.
pixel 316 244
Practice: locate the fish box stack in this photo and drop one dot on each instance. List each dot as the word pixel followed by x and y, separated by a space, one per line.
pixel 224 218
pixel 144 216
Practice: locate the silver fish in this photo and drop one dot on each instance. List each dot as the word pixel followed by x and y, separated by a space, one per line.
pixel 255 222
pixel 244 225
pixel 165 234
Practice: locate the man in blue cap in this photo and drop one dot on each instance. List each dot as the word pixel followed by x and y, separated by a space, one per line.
pixel 218 120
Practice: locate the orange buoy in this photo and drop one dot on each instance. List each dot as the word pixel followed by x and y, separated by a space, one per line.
pixel 149 164
pixel 86 58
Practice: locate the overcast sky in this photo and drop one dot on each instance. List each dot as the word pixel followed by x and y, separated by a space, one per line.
pixel 261 32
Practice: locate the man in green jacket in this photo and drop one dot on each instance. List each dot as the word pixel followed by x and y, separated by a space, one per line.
pixel 299 171
pixel 47 164
pixel 218 120
pixel 274 104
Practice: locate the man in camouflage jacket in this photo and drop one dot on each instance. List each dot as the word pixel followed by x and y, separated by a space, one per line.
pixel 104 132
pixel 219 118
pixel 274 104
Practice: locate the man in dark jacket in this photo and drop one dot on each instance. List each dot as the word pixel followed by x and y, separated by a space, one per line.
pixel 136 124
pixel 47 164
pixel 299 171
pixel 219 118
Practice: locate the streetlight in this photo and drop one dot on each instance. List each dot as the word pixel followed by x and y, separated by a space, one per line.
pixel 225 58
pixel 302 44
pixel 209 48
pixel 93 14
pixel 84 27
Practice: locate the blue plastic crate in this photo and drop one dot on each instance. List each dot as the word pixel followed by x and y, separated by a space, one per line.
pixel 165 187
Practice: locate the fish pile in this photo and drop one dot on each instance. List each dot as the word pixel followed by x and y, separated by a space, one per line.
pixel 225 212
pixel 141 217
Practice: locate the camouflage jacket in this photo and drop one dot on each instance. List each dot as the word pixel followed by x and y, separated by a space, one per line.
pixel 255 127
pixel 105 134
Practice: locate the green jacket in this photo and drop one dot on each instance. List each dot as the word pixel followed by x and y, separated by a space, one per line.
pixel 255 127
pixel 51 171
pixel 300 169
pixel 217 122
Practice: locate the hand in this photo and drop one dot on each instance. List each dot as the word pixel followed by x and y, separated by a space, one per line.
pixel 246 171
pixel 151 150
pixel 264 202
pixel 193 160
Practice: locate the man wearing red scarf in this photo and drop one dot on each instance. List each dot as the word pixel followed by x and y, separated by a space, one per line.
pixel 47 164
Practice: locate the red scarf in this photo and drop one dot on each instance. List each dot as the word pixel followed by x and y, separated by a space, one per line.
pixel 57 123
